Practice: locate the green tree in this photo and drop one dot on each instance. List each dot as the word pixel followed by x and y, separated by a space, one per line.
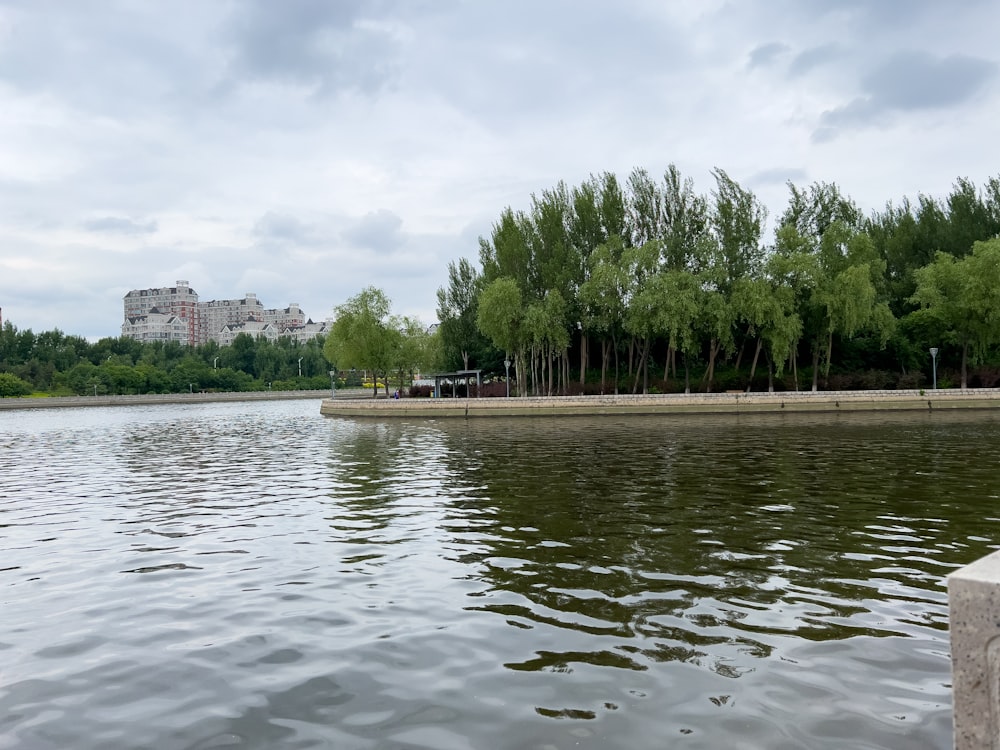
pixel 735 255
pixel 501 318
pixel 363 336
pixel 461 339
pixel 415 350
pixel 13 386
pixel 964 296
pixel 602 298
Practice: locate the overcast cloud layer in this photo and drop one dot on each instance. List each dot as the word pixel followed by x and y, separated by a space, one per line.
pixel 304 149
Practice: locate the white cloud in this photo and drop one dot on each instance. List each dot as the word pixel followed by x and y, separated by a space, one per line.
pixel 305 150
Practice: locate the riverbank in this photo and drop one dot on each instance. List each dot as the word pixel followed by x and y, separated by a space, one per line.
pixel 147 399
pixel 674 403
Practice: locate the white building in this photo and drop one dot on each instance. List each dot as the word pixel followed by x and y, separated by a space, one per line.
pixel 207 321
pixel 156 326
pixel 258 330
pixel 306 331
pixel 180 300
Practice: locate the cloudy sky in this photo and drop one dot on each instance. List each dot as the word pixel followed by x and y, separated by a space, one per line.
pixel 304 149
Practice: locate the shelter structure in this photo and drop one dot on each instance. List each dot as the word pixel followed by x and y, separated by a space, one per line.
pixel 444 378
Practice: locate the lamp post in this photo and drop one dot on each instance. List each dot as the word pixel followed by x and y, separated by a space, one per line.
pixel 215 363
pixel 934 351
pixel 506 367
pixel 191 387
pixel 300 367
pixel 333 384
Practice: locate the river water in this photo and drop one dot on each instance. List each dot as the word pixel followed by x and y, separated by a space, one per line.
pixel 253 575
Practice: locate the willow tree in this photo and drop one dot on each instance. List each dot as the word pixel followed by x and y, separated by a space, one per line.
pixel 548 337
pixel 964 296
pixel 363 336
pixel 736 220
pixel 845 294
pixel 640 265
pixel 602 298
pixel 456 310
pixel 500 317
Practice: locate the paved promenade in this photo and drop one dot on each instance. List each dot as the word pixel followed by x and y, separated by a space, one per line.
pixel 693 403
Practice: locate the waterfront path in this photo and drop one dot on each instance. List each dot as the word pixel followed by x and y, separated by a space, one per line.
pixel 674 403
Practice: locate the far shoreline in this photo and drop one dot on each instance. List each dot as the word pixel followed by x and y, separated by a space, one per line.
pixel 151 399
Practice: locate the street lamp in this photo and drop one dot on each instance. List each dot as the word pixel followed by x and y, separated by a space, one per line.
pixel 506 367
pixel 191 387
pixel 215 363
pixel 934 351
pixel 300 367
pixel 333 384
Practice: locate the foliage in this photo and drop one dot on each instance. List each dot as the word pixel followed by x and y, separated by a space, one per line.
pixel 12 386
pixel 55 363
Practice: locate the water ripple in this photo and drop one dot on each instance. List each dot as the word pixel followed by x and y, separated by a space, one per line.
pixel 253 575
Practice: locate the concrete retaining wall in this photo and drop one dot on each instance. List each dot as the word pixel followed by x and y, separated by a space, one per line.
pixel 156 398
pixel 677 403
pixel 974 616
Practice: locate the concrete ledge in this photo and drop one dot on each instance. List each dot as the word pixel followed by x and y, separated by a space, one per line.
pixel 974 615
pixel 675 403
pixel 147 399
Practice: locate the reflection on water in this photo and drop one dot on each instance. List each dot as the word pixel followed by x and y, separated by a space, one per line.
pixel 254 575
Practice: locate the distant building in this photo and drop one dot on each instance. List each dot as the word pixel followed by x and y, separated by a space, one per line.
pixel 256 329
pixel 156 326
pixel 175 314
pixel 307 330
pixel 180 300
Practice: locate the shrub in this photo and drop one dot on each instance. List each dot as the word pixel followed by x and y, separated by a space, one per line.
pixel 874 380
pixel 910 381
pixel 11 385
pixel 984 376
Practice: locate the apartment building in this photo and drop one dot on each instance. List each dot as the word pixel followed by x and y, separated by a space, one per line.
pixel 179 300
pixel 157 314
pixel 156 326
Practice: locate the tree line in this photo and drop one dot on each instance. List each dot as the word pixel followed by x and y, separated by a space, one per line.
pixel 62 364
pixel 653 284
pixel 638 285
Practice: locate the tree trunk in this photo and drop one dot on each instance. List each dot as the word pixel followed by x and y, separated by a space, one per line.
pixel 795 367
pixel 465 359
pixel 605 355
pixel 614 345
pixel 815 366
pixel 645 369
pixel 713 350
pixel 829 356
pixel 642 367
pixel 965 359
pixel 753 365
pixel 739 355
pixel 534 369
pixel 549 362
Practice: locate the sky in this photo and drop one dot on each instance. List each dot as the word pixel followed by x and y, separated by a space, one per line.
pixel 305 149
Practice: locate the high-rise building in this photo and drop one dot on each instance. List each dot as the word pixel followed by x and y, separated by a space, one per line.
pixel 159 314
pixel 180 300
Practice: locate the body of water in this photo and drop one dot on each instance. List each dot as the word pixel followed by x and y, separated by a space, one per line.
pixel 253 575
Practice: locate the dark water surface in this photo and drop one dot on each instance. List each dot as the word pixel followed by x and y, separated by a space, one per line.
pixel 257 576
